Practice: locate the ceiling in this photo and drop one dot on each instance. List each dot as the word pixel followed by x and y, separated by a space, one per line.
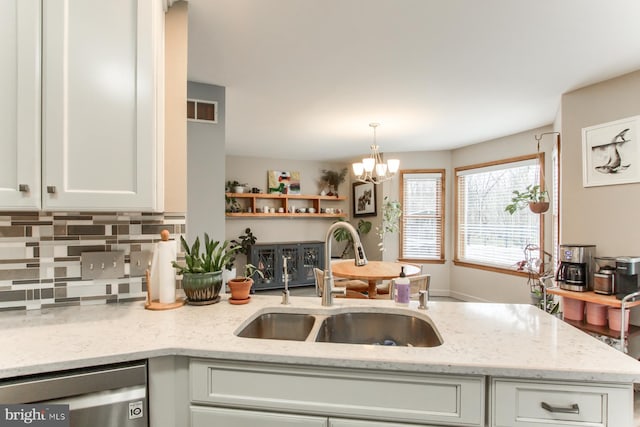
pixel 304 78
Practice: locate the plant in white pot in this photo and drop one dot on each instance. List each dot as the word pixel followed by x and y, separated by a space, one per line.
pixel 202 272
pixel 241 285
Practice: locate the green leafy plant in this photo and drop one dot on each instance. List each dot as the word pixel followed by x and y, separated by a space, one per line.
pixel 333 179
pixel 391 213
pixel 538 271
pixel 521 199
pixel 214 257
pixel 250 270
pixel 243 246
pixel 341 234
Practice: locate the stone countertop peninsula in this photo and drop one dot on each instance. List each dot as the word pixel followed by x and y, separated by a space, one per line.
pixel 478 339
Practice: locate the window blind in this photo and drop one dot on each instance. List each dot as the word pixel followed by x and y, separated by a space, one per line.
pixel 486 233
pixel 422 215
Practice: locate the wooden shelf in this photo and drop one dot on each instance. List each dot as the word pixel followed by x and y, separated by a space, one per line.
pixel 283 201
pixel 602 330
pixel 590 296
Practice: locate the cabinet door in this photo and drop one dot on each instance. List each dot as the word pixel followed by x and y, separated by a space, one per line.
pixel 210 417
pixel 20 104
pixel 100 107
pixel 312 256
pixel 292 252
pixel 264 258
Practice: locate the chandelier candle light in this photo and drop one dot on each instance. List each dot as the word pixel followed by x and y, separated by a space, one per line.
pixel 373 169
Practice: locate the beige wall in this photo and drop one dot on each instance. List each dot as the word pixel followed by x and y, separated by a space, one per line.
pixel 175 132
pixel 471 284
pixel 604 215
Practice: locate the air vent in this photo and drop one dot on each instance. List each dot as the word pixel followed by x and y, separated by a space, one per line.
pixel 199 110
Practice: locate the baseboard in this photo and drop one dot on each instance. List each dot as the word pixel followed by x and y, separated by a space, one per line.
pixel 465 297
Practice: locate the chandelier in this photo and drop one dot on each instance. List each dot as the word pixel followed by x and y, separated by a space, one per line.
pixel 373 169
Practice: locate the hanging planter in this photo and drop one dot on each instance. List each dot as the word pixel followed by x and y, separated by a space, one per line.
pixel 538 207
pixel 533 197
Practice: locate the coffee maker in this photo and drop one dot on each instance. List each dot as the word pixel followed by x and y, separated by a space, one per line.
pixel 575 269
pixel 627 276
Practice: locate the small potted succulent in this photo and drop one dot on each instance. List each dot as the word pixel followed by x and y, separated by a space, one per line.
pixel 333 179
pixel 202 272
pixel 241 285
pixel 533 196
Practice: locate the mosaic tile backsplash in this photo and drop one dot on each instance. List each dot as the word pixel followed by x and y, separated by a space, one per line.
pixel 40 255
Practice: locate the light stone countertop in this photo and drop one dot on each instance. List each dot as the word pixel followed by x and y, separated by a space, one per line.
pixel 479 338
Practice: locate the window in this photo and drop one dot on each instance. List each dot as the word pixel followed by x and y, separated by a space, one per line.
pixel 486 235
pixel 422 220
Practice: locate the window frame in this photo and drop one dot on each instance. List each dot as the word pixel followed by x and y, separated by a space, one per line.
pixel 456 210
pixel 440 259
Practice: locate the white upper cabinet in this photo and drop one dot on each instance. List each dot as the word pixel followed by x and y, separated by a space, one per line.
pixel 20 104
pixel 101 99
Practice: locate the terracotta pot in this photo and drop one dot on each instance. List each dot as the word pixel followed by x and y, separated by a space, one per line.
pixel 596 314
pixel 202 288
pixel 240 288
pixel 615 317
pixel 539 207
pixel 573 309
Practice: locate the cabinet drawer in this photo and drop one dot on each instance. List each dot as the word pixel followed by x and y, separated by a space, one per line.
pixel 519 403
pixel 394 396
pixel 207 417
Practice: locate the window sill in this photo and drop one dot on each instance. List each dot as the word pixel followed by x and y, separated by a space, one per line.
pixel 491 268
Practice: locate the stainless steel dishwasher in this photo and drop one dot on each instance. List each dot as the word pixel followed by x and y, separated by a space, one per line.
pixel 106 396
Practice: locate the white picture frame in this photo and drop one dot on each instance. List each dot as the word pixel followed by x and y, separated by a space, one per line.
pixel 611 153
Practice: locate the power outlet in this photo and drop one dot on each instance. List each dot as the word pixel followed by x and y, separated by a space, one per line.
pixel 140 263
pixel 102 265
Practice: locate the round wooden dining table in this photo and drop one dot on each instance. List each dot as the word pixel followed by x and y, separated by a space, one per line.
pixel 372 272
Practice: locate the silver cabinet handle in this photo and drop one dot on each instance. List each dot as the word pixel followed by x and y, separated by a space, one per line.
pixel 24 188
pixel 51 189
pixel 572 409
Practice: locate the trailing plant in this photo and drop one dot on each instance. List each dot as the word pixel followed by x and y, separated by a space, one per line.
pixel 391 213
pixel 521 199
pixel 214 257
pixel 341 234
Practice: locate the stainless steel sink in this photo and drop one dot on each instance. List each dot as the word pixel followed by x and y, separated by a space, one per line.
pixel 378 329
pixel 279 326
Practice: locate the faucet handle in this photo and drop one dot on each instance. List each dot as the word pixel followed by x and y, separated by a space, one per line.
pixel 339 291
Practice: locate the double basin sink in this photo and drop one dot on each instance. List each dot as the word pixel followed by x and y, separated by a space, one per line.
pixel 350 327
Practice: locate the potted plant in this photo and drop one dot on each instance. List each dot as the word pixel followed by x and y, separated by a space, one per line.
pixel 235 187
pixel 333 179
pixel 243 246
pixel 538 272
pixel 202 272
pixel 341 234
pixel 533 196
pixel 241 285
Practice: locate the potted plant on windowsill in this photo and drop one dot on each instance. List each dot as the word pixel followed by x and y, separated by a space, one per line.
pixel 241 286
pixel 202 272
pixel 533 196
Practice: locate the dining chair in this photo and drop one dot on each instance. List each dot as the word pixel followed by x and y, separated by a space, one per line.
pixel 383 288
pixel 417 283
pixel 355 288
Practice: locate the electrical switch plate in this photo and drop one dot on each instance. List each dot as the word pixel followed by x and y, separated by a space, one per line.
pixel 140 262
pixel 102 265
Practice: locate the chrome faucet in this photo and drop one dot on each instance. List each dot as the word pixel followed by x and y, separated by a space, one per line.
pixel 360 259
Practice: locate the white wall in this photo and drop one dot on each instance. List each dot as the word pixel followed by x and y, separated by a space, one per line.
pixel 472 284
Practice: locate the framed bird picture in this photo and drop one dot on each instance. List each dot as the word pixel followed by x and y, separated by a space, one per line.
pixel 611 153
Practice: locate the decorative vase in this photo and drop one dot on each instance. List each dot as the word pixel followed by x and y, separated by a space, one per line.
pixel 240 288
pixel 202 288
pixel 539 207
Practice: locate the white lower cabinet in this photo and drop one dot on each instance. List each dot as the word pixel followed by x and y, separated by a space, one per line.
pixel 522 403
pixel 390 398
